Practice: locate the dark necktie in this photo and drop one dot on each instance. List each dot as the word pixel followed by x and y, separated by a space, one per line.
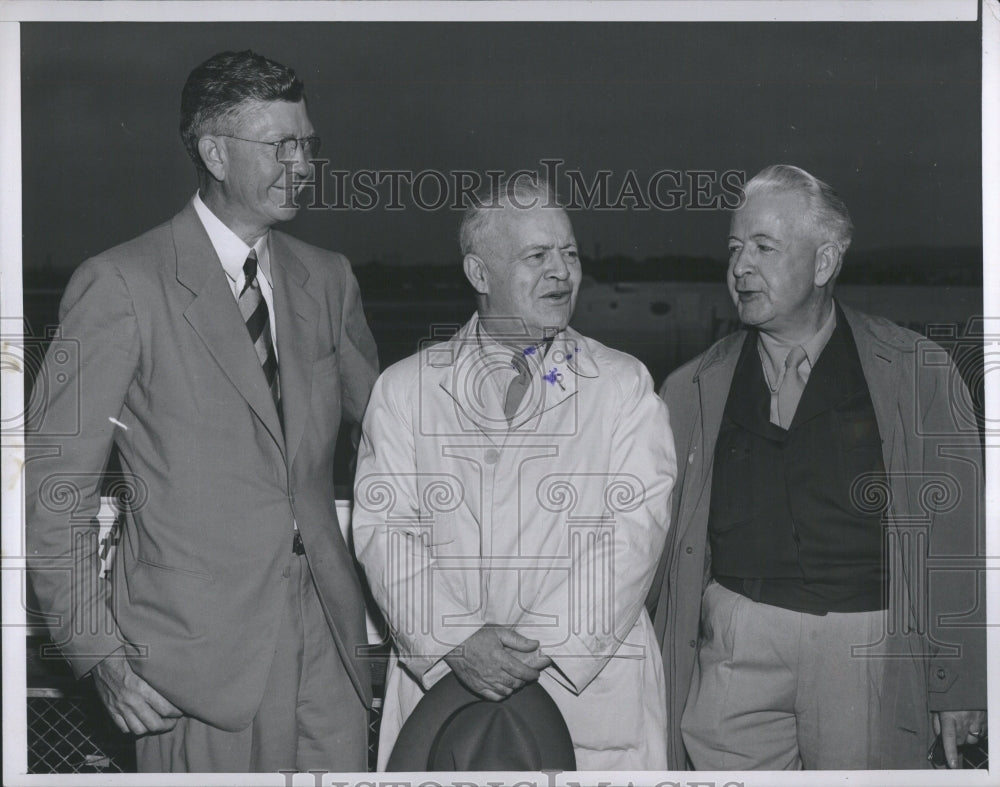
pixel 253 307
pixel 518 386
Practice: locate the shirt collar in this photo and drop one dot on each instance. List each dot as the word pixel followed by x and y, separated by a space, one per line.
pixel 487 343
pixel 776 352
pixel 815 345
pixel 229 247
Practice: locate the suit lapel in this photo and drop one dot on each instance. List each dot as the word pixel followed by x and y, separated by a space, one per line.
pixel 714 379
pixel 296 316
pixel 463 384
pixel 882 365
pixel 216 318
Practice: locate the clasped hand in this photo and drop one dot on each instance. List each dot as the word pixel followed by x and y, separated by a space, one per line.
pixel 496 661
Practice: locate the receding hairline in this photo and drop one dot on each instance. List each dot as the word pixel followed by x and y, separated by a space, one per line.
pixel 508 194
pixel 487 228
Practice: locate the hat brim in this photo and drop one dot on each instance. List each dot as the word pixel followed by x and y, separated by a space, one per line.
pixel 419 745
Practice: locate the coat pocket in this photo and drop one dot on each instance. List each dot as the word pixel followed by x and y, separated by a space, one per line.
pixel 204 576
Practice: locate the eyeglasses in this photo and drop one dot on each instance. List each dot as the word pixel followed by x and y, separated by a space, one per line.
pixel 286 149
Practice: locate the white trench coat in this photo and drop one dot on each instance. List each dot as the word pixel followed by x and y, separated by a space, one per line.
pixel 553 525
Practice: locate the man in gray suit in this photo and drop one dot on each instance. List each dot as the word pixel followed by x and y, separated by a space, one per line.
pixel 218 355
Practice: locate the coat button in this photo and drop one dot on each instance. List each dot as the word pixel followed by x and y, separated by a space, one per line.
pixel 692 643
pixel 941 673
pixel 492 455
pixel 689 550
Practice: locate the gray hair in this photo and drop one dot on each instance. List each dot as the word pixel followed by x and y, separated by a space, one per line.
pixel 827 212
pixel 517 192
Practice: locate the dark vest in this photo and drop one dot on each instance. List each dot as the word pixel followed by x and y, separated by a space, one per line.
pixel 790 522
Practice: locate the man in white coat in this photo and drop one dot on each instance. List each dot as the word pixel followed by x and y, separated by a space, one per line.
pixel 513 497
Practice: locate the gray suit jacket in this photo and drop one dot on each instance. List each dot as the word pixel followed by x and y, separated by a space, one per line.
pixel 163 368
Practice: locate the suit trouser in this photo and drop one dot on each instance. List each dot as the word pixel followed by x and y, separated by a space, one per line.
pixel 776 689
pixel 310 716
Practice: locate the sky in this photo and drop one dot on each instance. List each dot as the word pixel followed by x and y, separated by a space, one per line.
pixel 888 113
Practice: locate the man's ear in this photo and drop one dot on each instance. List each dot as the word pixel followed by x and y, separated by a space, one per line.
pixel 828 261
pixel 476 273
pixel 214 156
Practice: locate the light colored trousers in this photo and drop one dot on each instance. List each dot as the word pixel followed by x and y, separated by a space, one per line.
pixel 310 716
pixel 775 689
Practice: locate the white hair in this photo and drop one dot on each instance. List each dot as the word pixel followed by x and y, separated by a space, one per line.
pixel 827 212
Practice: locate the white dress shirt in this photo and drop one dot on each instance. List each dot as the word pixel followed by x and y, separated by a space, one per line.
pixel 232 253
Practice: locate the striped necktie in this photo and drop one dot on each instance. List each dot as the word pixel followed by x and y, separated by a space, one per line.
pixel 253 307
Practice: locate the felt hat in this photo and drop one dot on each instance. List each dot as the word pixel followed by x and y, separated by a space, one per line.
pixel 452 729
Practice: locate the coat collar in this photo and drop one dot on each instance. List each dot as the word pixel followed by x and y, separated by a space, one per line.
pixel 713 378
pixel 469 359
pixel 724 352
pixel 563 353
pixel 883 349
